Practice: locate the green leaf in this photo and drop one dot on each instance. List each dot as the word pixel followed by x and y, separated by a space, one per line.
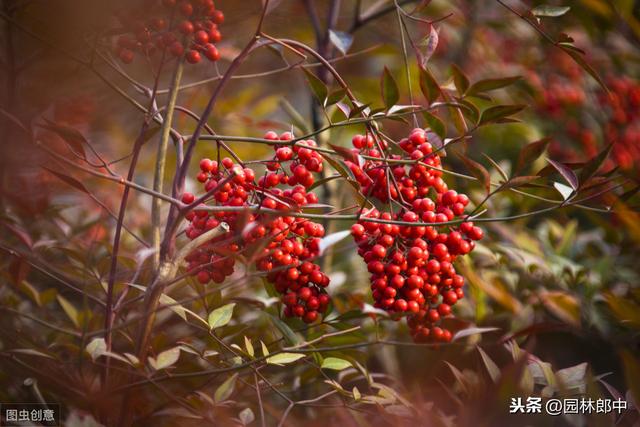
pixel 296 119
pixel 165 359
pixel 318 88
pixel 335 96
pixel 550 11
pixel 173 306
pixel 249 347
pixel 389 87
pixel 289 335
pixel 284 358
pixel 96 348
pixel 491 84
pixel 178 309
pixel 498 112
pixel 220 316
pixel 265 350
pixel 70 310
pixel 356 393
pixel 459 79
pixel 225 390
pixel 435 124
pixel 335 363
pixel 530 152
pixel 428 85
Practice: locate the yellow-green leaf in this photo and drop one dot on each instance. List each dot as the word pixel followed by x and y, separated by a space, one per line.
pixel 249 346
pixel 69 309
pixel 265 350
pixel 96 348
pixel 226 389
pixel 165 359
pixel 284 358
pixel 221 316
pixel 335 363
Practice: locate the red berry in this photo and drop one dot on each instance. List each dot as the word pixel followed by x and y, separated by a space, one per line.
pixel 188 198
pixel 444 309
pixel 126 56
pixel 218 17
pixel 186 27
pixel 193 56
pixel 284 154
pixel 186 9
pixel 211 52
pixel 176 49
pixel 203 277
pixel 400 305
pixel 201 37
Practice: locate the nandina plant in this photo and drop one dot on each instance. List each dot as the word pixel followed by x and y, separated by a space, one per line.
pixel 191 263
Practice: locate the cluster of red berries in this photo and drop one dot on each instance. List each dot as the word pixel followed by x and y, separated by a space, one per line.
pixel 411 266
pixel 191 30
pixel 283 246
pixel 623 127
pixel 563 96
pixel 303 162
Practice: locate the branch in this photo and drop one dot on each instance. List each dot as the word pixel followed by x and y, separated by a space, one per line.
pixel 161 158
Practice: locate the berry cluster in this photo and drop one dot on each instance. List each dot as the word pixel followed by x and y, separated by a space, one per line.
pixel 303 162
pixel 564 98
pixel 191 30
pixel 283 246
pixel 623 108
pixel 412 267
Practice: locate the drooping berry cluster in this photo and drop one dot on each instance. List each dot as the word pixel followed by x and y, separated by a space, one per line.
pixel 281 245
pixel 190 29
pixel 412 267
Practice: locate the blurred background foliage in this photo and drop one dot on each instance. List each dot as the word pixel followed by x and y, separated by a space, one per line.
pixel 562 288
